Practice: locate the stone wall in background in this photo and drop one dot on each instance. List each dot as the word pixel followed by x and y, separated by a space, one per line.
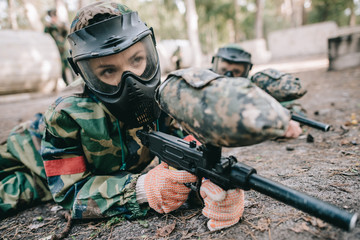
pixel 302 41
pixel 344 48
pixel 258 49
pixel 340 44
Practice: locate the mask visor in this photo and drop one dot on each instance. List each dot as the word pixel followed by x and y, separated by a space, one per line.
pixel 105 74
pixel 224 67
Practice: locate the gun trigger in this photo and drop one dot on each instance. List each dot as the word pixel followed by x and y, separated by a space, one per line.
pixel 191 186
pixel 194 198
pixel 198 185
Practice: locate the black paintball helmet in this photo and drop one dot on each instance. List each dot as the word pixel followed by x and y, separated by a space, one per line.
pixel 105 29
pixel 232 53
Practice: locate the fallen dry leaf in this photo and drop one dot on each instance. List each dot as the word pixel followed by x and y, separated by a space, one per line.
pixel 187 235
pixel 166 230
pixel 36 225
pixel 263 224
pixel 320 223
pixel 300 228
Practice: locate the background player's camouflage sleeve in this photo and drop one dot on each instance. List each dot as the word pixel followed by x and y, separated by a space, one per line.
pixel 284 87
pixel 81 149
pixel 281 86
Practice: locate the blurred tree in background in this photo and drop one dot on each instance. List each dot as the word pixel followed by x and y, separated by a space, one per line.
pixel 343 12
pixel 219 21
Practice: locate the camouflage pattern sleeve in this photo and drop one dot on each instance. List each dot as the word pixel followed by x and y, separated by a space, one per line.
pixel 22 175
pixel 221 111
pixel 83 161
pixel 281 86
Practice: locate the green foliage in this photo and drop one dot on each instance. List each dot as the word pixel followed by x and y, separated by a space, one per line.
pixel 114 220
pixel 330 10
pixel 163 16
pixel 273 18
pixel 216 18
pixel 106 226
pixel 143 223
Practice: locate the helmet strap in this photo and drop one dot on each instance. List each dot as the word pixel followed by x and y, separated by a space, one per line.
pixel 73 65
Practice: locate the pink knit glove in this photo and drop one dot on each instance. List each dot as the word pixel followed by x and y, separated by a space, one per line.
pixel 165 189
pixel 224 208
pixel 294 130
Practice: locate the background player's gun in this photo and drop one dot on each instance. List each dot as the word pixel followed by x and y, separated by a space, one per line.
pixel 309 122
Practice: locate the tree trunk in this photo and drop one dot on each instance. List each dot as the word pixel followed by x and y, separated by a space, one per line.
pixel 62 12
pixel 193 32
pixel 33 16
pixel 80 4
pixel 237 33
pixel 12 15
pixel 83 3
pixel 259 19
pixel 230 25
pixel 297 9
pixel 352 20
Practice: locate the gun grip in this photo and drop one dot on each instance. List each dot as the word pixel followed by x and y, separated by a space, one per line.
pixel 195 198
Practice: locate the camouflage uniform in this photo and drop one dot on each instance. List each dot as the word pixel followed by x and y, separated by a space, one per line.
pixel 219 110
pixel 22 175
pixel 59 32
pixel 284 87
pixel 92 163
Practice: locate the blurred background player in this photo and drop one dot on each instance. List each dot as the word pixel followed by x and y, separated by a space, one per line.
pixel 59 31
pixel 233 61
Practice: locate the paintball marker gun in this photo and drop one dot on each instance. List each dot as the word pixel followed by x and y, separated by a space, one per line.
pixel 311 123
pixel 205 161
pixel 238 114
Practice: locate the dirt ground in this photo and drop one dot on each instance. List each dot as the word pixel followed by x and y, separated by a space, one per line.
pixel 327 168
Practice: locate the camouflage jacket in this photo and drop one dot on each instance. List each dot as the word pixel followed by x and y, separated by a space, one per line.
pixel 281 86
pixel 237 111
pixel 92 163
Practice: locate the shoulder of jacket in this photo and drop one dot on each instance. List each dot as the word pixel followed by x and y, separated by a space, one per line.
pixel 76 95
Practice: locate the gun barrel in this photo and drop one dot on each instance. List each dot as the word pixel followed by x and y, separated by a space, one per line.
pixel 312 123
pixel 327 212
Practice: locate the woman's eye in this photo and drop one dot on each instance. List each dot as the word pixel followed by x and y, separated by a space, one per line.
pixel 237 72
pixel 138 60
pixel 107 72
pixel 223 70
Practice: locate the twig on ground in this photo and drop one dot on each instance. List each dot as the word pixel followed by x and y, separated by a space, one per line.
pixel 111 230
pixel 66 230
pixel 16 232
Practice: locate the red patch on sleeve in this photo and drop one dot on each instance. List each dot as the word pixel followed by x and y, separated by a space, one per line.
pixel 190 138
pixel 65 166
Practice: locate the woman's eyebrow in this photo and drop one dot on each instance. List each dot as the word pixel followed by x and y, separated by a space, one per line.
pixel 136 53
pixel 104 65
